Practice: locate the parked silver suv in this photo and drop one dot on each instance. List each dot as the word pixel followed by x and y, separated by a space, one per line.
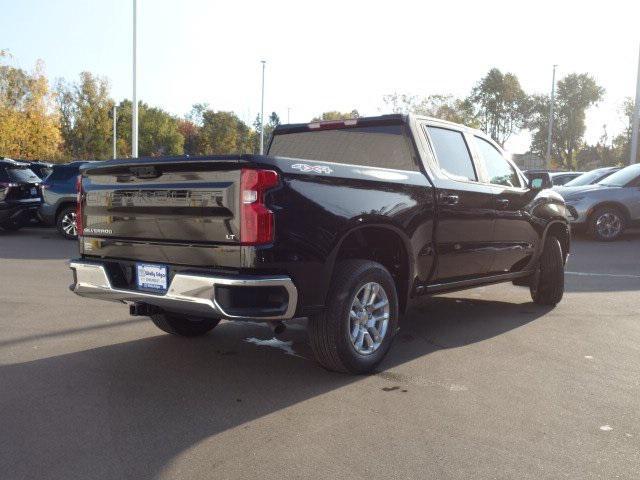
pixel 608 207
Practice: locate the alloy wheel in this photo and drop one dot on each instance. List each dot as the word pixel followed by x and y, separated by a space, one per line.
pixel 69 224
pixel 608 225
pixel 369 318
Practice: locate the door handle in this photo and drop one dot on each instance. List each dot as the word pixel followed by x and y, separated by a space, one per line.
pixel 502 202
pixel 449 198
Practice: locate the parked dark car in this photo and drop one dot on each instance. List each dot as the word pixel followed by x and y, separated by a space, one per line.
pixel 557 178
pixel 345 223
pixel 588 178
pixel 19 194
pixel 59 199
pixel 562 178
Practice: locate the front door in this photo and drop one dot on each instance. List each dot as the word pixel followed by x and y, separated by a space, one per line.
pixel 515 236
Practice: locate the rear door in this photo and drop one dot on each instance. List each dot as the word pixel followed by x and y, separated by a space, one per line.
pixel 514 236
pixel 464 231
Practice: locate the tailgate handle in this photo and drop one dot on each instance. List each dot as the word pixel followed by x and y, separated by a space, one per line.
pixel 145 172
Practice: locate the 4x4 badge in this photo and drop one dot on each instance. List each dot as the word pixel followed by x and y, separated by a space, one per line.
pixel 303 167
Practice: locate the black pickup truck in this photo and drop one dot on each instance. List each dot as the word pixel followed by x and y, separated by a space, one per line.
pixel 344 223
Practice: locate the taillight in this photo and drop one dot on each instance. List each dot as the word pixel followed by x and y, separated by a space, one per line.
pixel 256 220
pixel 79 194
pixel 4 189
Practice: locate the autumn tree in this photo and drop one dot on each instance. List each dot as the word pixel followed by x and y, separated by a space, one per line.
pixel 85 117
pixel 576 93
pixel 336 115
pixel 223 132
pixel 29 127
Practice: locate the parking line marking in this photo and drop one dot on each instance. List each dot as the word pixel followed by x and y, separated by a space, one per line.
pixel 614 275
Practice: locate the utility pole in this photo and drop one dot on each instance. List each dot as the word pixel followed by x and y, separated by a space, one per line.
pixel 550 133
pixel 115 116
pixel 635 125
pixel 262 112
pixel 134 104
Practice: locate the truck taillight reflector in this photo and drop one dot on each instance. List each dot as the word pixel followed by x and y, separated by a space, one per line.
pixel 256 220
pixel 79 192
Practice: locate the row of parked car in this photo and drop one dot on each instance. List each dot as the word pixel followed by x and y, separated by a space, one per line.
pixel 38 191
pixel 602 202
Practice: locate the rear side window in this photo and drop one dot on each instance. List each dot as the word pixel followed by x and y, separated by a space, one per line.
pixel 23 175
pixel 385 146
pixel 499 170
pixel 62 174
pixel 453 155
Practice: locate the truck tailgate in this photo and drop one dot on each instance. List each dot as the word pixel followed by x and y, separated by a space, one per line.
pixel 182 201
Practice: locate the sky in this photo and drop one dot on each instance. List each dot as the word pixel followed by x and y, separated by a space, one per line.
pixel 328 55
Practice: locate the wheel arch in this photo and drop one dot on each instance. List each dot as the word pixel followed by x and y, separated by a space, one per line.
pixel 382 243
pixel 560 230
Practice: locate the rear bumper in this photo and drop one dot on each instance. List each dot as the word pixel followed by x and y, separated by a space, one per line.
pixel 187 293
pixel 16 211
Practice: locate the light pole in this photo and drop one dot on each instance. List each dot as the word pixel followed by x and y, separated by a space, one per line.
pixel 134 104
pixel 262 112
pixel 635 125
pixel 115 116
pixel 550 133
pixel 288 114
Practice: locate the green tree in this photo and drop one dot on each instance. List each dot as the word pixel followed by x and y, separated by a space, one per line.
pixel 443 107
pixel 270 126
pixel 576 93
pixel 158 131
pixel 85 115
pixel 29 126
pixel 499 104
pixel 336 115
pixel 222 133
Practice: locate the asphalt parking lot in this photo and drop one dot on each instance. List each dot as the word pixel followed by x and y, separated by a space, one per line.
pixel 480 384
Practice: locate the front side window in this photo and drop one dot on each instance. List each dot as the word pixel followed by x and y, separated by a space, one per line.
pixel 452 152
pixel 499 170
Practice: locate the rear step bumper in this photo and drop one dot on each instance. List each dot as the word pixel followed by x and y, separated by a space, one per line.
pixel 187 293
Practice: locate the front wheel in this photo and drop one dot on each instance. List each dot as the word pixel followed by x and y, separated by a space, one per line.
pixel 606 224
pixel 183 325
pixel 547 283
pixel 356 330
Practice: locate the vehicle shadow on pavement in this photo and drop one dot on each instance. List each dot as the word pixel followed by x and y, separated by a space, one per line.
pixel 127 410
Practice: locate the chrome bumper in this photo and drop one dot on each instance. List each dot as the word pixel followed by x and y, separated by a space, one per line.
pixel 187 293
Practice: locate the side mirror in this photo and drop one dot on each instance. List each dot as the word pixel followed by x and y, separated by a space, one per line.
pixel 539 180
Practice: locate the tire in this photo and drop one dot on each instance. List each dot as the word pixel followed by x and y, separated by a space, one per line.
pixel 606 224
pixel 11 226
pixel 66 223
pixel 547 283
pixel 183 325
pixel 345 343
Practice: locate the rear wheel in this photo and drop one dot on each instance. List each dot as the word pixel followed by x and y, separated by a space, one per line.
pixel 547 283
pixel 66 223
pixel 606 224
pixel 356 330
pixel 183 325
